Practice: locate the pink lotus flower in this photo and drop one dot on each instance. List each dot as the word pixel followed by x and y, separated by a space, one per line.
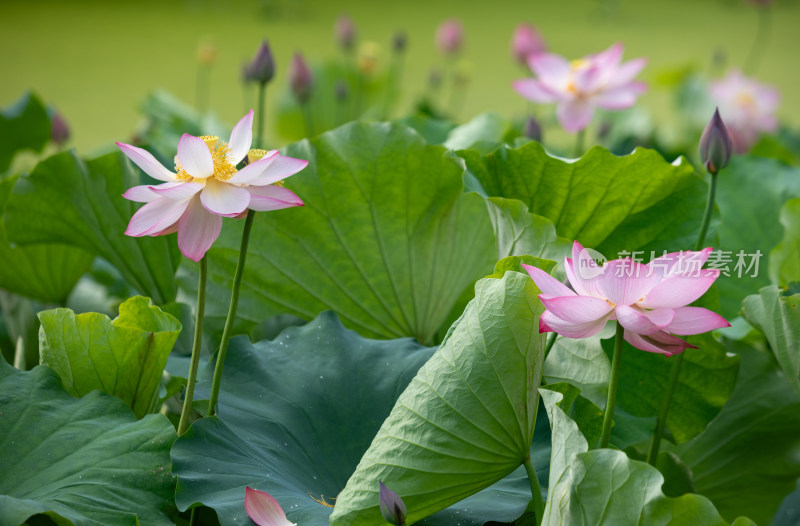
pixel 263 509
pixel 600 80
pixel 747 106
pixel 450 37
pixel 208 187
pixel 526 41
pixel 647 300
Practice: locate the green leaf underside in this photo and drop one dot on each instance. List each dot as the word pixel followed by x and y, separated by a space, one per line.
pixel 295 415
pixel 609 203
pixel 605 487
pixel 86 462
pixel 67 200
pixel 467 418
pixel 387 239
pixel 124 357
pixel 23 125
pixel 784 262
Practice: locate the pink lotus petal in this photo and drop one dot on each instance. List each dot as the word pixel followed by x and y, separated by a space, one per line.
pixel 624 282
pixel 547 284
pixel 577 309
pixel 197 230
pixel 280 168
pixel 643 322
pixel 582 275
pixel 617 98
pixel 224 199
pixel 155 216
pixel 628 71
pixel 263 509
pixel 677 291
pixel 586 80
pixel 548 322
pixel 177 191
pixel 610 58
pixel 253 170
pixel 268 198
pixel 549 66
pixel 145 160
pixel 680 263
pixel 534 90
pixel 658 342
pixel 195 157
pixel 575 115
pixel 241 139
pixel 695 320
pixel 141 194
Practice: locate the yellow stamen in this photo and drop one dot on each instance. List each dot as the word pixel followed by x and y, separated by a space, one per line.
pixel 256 154
pixel 223 169
pixel 210 140
pixel 578 63
pixel 745 99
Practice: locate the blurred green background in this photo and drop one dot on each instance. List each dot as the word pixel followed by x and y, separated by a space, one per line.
pixel 96 60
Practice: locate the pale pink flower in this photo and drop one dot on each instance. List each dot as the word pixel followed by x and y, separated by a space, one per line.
pixel 599 80
pixel 648 300
pixel 747 107
pixel 208 187
pixel 450 37
pixel 525 42
pixel 263 509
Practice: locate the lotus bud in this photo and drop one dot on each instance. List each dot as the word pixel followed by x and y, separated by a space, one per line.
pixel 526 41
pixel 345 32
pixel 59 131
pixel 533 130
pixel 300 78
pixel 262 68
pixel 715 145
pixel 450 37
pixel 392 507
pixel 399 42
pixel 341 91
pixel 207 53
pixel 368 55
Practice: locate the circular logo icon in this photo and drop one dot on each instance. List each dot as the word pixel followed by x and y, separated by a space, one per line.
pixel 590 263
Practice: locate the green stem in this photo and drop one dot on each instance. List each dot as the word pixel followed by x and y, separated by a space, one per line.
pixel 579 143
pixel 183 425
pixel 611 401
pixel 536 490
pixel 262 91
pixel 760 42
pixel 551 340
pixel 308 119
pixel 674 374
pixel 226 332
pixel 202 90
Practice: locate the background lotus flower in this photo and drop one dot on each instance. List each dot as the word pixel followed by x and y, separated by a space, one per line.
pixel 525 42
pixel 263 509
pixel 748 107
pixel 208 187
pixel 450 37
pixel 345 32
pixel 600 80
pixel 649 301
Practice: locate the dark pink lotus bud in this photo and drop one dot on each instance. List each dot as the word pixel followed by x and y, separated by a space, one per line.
pixel 59 131
pixel 262 68
pixel 399 41
pixel 392 507
pixel 300 78
pixel 715 145
pixel 345 32
pixel 450 37
pixel 533 130
pixel 526 41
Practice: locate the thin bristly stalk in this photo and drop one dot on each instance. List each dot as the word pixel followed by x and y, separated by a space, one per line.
pixel 229 321
pixel 611 401
pixel 262 93
pixel 186 411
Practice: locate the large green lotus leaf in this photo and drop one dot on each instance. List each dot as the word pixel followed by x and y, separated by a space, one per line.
pixel 82 462
pixel 609 203
pixel 784 260
pixel 746 460
pixel 778 317
pixel 433 130
pixel 46 272
pixel 124 357
pixel 67 200
pixel 23 125
pixel 467 418
pixel 750 194
pixel 581 362
pixel 295 415
pixel 604 486
pixel 707 379
pixel 520 233
pixel 485 128
pixel 388 239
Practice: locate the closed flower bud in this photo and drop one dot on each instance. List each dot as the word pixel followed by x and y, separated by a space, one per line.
pixel 399 41
pixel 525 42
pixel 300 78
pixel 341 91
pixel 345 32
pixel 392 507
pixel 533 130
pixel 207 53
pixel 262 68
pixel 450 37
pixel 59 131
pixel 715 145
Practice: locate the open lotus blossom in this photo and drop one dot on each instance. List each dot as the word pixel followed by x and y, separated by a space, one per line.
pixel 747 106
pixel 578 87
pixel 263 509
pixel 206 186
pixel 648 300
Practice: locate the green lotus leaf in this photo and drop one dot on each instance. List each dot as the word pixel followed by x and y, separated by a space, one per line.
pixel 24 125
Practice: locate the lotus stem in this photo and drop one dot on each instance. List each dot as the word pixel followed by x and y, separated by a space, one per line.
pixel 611 401
pixel 536 490
pixel 197 343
